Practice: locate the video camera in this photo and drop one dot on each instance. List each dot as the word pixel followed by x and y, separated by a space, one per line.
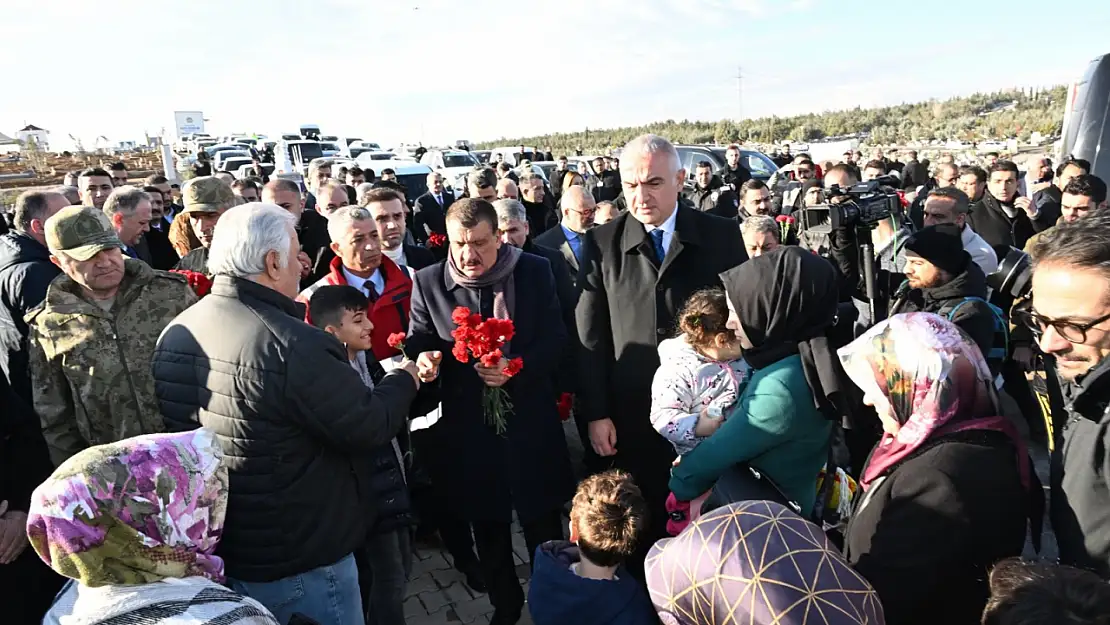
pixel 1014 277
pixel 862 204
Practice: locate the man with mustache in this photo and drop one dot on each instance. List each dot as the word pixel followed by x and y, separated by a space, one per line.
pixel 204 199
pixel 359 262
pixel 486 475
pixel 92 339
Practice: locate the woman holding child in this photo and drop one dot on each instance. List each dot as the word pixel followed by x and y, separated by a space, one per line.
pixel 778 309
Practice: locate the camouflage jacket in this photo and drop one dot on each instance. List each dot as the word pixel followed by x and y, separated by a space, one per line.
pixel 90 368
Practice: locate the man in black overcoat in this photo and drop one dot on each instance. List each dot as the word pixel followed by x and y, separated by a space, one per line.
pixel 637 272
pixel 484 474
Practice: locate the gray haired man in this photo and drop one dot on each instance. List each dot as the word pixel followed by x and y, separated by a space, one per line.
pixel 129 209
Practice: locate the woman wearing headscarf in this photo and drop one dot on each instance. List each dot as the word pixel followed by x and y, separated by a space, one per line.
pixel 947 491
pixel 756 563
pixel 136 524
pixel 781 305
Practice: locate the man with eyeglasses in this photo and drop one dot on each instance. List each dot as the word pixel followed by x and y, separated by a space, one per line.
pixel 1070 316
pixel 578 210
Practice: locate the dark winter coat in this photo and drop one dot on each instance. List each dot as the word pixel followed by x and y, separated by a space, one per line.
pixel 295 422
pixel 312 233
pixel 196 260
pixel 483 475
pixel 627 305
pixel 976 317
pixel 1081 474
pixel 558 596
pixel 541 217
pixel 605 187
pixel 914 175
pixel 734 178
pixel 25 272
pixel 989 221
pixel 927 534
pixel 162 254
pixel 716 199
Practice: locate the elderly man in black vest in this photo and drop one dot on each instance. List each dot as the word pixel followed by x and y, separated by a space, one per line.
pixel 637 271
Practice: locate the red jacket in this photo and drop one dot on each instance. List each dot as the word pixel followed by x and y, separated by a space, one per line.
pixel 389 314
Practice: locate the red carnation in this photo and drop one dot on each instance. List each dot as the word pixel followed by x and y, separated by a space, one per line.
pixel 461 316
pixel 515 365
pixel 460 353
pixel 492 359
pixel 566 402
pixel 436 239
pixel 396 340
pixel 200 283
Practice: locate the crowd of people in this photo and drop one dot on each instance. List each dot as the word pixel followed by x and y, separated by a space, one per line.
pixel 245 402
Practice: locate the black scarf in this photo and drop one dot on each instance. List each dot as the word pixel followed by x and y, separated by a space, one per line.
pixel 787 302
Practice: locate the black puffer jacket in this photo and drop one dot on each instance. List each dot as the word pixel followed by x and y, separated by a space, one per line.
pixel 25 272
pixel 975 318
pixel 295 422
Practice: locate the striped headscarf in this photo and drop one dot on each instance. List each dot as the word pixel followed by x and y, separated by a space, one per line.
pixel 134 512
pixel 756 563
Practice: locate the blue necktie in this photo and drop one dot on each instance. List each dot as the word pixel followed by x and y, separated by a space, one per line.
pixel 130 252
pixel 657 241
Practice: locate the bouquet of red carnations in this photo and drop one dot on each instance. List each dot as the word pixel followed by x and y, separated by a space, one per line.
pixel 200 283
pixel 482 340
pixel 786 222
pixel 436 239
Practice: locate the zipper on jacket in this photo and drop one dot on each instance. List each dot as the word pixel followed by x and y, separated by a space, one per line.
pixel 126 371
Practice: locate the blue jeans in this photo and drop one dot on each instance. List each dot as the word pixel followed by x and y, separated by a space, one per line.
pixel 329 594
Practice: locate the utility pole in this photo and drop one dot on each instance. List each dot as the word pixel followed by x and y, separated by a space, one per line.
pixel 739 94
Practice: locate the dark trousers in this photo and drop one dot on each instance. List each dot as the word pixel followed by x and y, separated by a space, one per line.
pixel 27 589
pixel 495 551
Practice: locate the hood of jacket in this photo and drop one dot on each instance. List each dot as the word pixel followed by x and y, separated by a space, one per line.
pixel 971 283
pixel 677 352
pixel 567 598
pixel 16 248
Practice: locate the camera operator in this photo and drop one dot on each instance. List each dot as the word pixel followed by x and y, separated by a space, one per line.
pixel 1071 318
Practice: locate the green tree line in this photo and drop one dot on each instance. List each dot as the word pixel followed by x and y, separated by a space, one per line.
pixel 999 115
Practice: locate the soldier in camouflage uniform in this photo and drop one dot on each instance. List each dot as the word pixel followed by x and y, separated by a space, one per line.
pixel 205 199
pixel 92 338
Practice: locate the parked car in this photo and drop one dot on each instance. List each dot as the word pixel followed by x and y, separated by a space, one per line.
pixel 481 155
pixel 761 165
pixel 513 155
pixel 232 164
pixel 372 156
pixel 220 157
pixel 329 148
pixel 450 163
pixel 1086 130
pixel 410 174
pixel 246 171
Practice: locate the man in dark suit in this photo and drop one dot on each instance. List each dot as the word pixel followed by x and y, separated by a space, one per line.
pixel 578 209
pixel 157 239
pixel 637 272
pixel 514 229
pixel 486 474
pixel 312 228
pixel 388 208
pixel 430 209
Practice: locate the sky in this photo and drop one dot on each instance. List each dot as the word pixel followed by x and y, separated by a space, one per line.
pixel 436 71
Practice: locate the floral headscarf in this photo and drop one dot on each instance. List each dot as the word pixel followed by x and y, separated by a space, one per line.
pixel 756 563
pixel 934 378
pixel 134 512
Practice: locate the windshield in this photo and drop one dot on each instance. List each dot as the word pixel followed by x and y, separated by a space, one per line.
pixel 415 185
pixel 459 160
pixel 308 151
pixel 758 163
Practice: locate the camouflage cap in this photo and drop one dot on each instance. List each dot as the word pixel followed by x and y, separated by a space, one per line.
pixel 206 194
pixel 81 232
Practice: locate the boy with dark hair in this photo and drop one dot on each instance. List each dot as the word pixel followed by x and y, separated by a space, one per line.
pixel 583 581
pixel 385 561
pixel 1039 593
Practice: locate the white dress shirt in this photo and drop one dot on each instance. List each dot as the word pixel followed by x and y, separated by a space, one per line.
pixel 668 230
pixel 360 283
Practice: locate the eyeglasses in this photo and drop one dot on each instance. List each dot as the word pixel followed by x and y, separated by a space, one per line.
pixel 1071 331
